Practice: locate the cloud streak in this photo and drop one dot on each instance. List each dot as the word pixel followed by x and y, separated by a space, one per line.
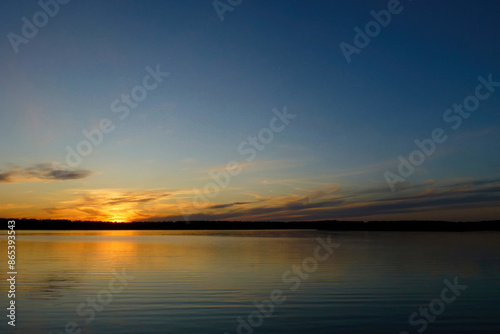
pixel 42 172
pixel 104 204
pixel 335 203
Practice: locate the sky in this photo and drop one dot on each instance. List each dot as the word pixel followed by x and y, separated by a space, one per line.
pixel 250 110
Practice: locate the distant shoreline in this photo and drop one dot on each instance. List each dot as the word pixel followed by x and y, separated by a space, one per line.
pixel 328 225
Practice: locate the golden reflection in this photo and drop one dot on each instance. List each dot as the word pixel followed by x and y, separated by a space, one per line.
pixel 54 263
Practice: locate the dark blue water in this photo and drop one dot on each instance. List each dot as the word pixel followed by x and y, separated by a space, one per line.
pixel 255 282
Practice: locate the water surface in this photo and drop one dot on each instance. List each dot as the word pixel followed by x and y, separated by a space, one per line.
pixel 202 281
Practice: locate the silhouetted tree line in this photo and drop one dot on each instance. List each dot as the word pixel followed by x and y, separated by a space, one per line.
pixel 332 225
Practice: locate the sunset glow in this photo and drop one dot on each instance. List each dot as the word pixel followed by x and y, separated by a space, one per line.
pixel 285 121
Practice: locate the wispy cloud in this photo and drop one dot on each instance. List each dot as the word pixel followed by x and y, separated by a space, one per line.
pixel 336 203
pixel 41 172
pixel 107 204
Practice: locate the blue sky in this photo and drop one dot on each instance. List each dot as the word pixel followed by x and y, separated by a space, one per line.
pixel 225 77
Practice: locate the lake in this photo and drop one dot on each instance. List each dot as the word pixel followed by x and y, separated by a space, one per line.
pixel 261 281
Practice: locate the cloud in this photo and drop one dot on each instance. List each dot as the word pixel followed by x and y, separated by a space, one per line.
pixel 6 177
pixel 42 172
pixel 135 197
pixel 335 203
pixel 229 205
pixel 108 204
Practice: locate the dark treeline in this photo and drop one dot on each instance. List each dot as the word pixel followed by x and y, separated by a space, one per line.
pixel 333 225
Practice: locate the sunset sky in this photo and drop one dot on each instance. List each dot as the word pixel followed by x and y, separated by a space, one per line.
pixel 231 79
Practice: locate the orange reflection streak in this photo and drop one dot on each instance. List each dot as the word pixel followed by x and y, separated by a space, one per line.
pixel 55 263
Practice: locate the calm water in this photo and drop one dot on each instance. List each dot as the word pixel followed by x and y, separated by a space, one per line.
pixel 202 281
